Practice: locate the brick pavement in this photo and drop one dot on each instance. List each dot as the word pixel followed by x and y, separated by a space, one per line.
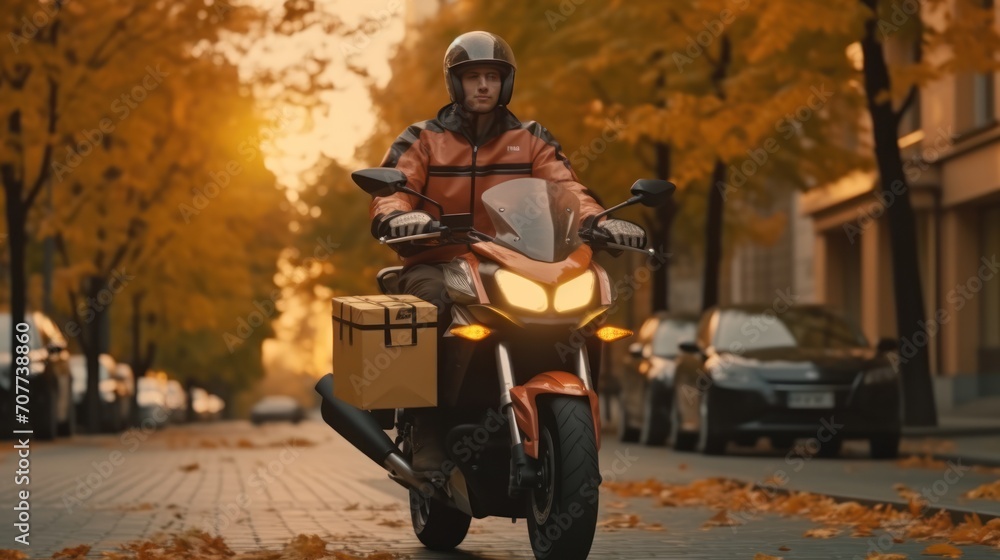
pixel 261 497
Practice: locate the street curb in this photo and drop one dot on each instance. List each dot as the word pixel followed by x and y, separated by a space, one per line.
pixel 956 431
pixel 957 515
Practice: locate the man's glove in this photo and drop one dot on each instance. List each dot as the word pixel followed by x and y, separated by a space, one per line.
pixel 408 223
pixel 624 232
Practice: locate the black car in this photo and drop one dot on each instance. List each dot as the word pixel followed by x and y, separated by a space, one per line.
pixel 646 385
pixel 797 372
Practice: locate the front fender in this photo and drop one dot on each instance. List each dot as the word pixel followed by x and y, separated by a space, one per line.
pixel 525 403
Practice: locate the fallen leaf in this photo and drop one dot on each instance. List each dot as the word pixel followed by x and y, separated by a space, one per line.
pixel 946 550
pixel 783 548
pixel 822 533
pixel 721 519
pixel 682 467
pixel 73 553
pixel 617 505
pixel 990 491
pixel 306 547
pixel 762 556
pixel 190 468
pixel 880 556
pixel 394 523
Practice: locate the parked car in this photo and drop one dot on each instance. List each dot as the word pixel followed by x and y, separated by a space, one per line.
pixel 151 400
pixel 111 390
pixel 206 406
pixel 177 403
pixel 647 382
pixel 803 372
pixel 49 380
pixel 276 408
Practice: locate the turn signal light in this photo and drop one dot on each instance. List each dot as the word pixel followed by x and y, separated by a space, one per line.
pixel 471 332
pixel 611 334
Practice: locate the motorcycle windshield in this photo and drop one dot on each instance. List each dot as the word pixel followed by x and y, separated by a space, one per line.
pixel 534 217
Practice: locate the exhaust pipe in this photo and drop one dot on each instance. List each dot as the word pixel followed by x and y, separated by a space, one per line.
pixel 363 431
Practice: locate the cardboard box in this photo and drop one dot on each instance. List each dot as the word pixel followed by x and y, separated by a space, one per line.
pixel 385 351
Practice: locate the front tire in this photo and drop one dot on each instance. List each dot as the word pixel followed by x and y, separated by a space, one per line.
pixel 562 517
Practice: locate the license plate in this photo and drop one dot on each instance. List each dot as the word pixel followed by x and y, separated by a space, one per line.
pixel 810 400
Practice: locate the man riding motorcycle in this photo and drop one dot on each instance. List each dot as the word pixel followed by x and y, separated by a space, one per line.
pixel 472 145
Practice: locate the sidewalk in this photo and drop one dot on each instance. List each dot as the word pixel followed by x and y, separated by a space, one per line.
pixel 970 432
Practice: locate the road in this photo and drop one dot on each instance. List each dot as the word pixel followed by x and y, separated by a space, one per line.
pixel 259 488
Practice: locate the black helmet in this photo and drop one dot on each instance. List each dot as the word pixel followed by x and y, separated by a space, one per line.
pixel 479 47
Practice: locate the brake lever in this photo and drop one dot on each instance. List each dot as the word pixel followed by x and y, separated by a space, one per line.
pixel 437 230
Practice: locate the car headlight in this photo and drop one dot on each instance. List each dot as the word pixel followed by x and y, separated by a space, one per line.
pixel 576 293
pixel 881 375
pixel 521 292
pixel 733 376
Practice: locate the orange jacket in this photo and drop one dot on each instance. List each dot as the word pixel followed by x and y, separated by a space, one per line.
pixel 441 162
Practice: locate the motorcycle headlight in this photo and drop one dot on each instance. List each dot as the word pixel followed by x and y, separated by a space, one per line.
pixel 576 293
pixel 880 375
pixel 521 292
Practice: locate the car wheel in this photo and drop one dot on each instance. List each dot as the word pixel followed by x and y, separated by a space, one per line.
pixel 626 433
pixel 679 439
pixel 709 442
pixel 884 447
pixel 830 449
pixel 782 443
pixel 656 416
pixel 44 419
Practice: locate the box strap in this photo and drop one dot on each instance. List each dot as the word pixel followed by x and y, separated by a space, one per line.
pixel 413 324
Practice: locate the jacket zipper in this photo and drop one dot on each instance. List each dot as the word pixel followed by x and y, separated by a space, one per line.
pixel 472 190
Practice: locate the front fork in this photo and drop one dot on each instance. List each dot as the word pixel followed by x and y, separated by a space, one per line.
pixel 524 470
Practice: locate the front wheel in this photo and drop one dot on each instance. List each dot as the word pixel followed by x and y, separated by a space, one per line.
pixel 563 514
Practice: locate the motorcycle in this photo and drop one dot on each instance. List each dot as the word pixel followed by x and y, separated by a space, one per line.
pixel 531 305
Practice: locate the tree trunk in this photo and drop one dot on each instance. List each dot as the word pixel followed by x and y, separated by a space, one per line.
pixel 918 388
pixel 17 214
pixel 663 233
pixel 713 238
pixel 95 346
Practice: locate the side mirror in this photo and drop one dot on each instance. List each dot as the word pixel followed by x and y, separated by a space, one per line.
pixel 887 345
pixel 652 192
pixel 690 347
pixel 635 349
pixel 380 181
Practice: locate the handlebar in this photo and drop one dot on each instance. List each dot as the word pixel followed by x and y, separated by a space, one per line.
pixel 595 237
